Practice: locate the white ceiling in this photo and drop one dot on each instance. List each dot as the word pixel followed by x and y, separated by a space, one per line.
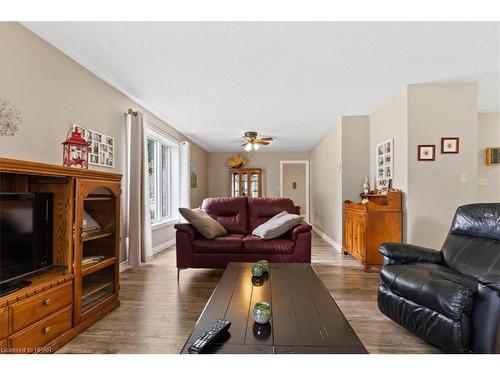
pixel 291 80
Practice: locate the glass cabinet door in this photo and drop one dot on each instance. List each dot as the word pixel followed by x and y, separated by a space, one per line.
pixel 254 185
pixel 96 246
pixel 236 184
pixel 244 184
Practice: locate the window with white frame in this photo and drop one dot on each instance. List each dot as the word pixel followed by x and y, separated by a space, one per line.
pixel 163 176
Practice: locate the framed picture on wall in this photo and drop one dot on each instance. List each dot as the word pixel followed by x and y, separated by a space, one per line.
pixel 426 152
pixel 385 168
pixel 450 145
pixel 101 151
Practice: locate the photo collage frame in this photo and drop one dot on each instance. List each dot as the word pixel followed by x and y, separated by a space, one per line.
pixel 102 147
pixel 385 163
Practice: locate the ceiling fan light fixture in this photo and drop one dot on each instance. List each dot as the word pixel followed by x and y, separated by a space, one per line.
pixel 248 147
pixel 256 146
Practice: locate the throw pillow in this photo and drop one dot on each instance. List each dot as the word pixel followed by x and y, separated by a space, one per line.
pixel 276 226
pixel 208 227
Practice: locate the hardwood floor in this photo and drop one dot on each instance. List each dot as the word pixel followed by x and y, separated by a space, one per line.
pixel 157 314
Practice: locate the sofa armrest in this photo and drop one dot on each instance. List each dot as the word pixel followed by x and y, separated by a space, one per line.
pixel 301 228
pixel 491 281
pixel 401 253
pixel 189 229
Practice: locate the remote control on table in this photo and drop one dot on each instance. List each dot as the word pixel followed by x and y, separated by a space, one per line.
pixel 209 336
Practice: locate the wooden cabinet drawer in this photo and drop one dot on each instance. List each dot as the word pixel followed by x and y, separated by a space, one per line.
pixel 38 307
pixel 40 334
pixel 4 322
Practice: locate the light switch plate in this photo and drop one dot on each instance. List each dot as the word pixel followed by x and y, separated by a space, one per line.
pixel 463 178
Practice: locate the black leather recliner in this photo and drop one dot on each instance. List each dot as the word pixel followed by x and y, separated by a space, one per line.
pixel 450 298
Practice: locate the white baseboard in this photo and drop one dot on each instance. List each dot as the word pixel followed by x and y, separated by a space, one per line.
pixel 328 239
pixel 124 266
pixel 163 246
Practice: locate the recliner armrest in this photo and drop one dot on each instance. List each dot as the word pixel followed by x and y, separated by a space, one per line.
pixel 401 253
pixel 491 281
pixel 189 229
pixel 301 228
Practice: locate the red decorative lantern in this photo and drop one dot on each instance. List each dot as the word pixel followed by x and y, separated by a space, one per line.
pixel 76 151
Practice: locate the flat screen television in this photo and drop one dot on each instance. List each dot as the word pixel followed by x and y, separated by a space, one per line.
pixel 25 234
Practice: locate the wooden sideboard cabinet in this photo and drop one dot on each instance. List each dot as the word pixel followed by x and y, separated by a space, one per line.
pixel 66 298
pixel 368 225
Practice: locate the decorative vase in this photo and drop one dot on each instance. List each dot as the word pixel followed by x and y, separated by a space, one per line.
pixel 366 186
pixel 261 331
pixel 257 281
pixel 257 270
pixel 261 312
pixel 264 264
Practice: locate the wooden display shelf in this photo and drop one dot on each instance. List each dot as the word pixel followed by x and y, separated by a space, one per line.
pixel 90 268
pixel 95 235
pixel 74 192
pixel 95 288
pixel 95 298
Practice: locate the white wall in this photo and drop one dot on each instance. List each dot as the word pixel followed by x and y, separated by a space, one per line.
pixel 326 183
pixel 432 190
pixel 435 189
pixel 488 136
pixel 355 155
pixel 339 164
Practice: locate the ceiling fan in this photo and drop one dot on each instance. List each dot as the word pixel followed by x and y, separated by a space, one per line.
pixel 251 140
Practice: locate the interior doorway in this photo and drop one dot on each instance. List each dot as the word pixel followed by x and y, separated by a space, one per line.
pixel 294 183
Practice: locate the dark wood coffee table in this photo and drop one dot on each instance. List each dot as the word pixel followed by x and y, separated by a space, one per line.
pixel 305 318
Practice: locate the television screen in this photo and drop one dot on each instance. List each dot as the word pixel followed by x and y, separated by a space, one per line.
pixel 25 233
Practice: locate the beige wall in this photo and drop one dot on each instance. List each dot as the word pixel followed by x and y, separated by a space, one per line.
pixel 295 173
pixel 52 92
pixel 339 163
pixel 488 136
pixel 355 155
pixel 326 183
pixel 218 182
pixel 435 189
pixel 390 120
pixel 422 114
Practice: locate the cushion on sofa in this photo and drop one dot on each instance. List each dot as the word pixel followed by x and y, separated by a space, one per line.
pixel 230 212
pixel 228 244
pixel 256 245
pixel 261 210
pixel 432 285
pixel 208 227
pixel 276 226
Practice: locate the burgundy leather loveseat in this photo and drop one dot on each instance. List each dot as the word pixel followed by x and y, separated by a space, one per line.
pixel 240 216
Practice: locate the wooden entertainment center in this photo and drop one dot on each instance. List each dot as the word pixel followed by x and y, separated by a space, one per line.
pixel 67 298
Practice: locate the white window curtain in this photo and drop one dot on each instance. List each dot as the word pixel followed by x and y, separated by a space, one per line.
pixel 185 176
pixel 138 227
